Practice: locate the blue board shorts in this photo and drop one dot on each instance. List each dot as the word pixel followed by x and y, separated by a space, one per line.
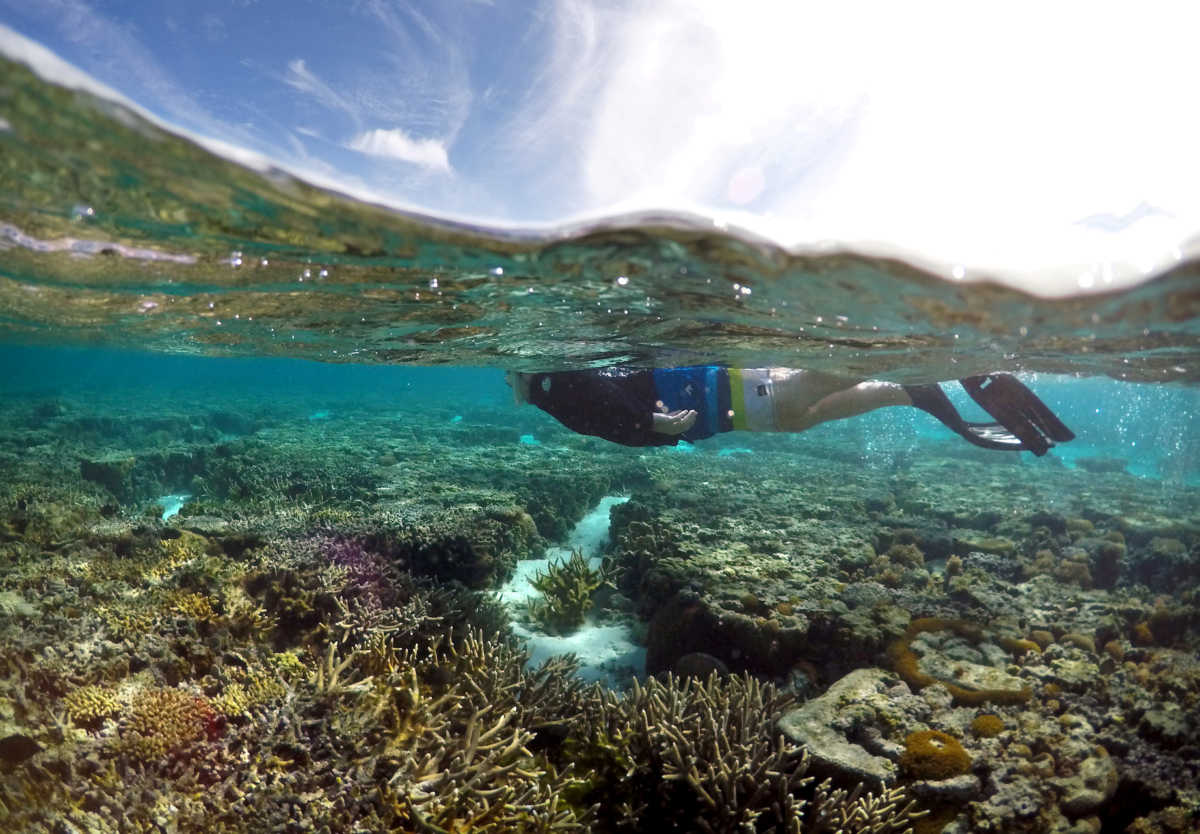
pixel 724 399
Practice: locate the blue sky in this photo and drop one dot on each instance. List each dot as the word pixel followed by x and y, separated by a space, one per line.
pixel 1054 141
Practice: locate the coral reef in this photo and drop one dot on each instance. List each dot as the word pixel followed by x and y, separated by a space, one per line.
pixel 309 645
pixel 566 590
pixel 696 755
pixel 932 754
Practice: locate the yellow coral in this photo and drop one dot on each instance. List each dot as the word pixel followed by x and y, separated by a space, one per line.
pixel 930 754
pixel 233 701
pixel 126 619
pixel 289 664
pixel 178 552
pixel 196 606
pixel 259 687
pixel 162 720
pixel 89 704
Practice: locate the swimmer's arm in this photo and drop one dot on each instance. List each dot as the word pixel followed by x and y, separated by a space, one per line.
pixel 675 423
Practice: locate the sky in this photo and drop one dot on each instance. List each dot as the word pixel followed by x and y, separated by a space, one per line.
pixel 1052 144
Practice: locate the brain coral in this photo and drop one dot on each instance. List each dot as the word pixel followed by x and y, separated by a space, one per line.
pixel 929 754
pixel 987 725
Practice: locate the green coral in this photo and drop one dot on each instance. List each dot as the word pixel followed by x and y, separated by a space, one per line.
pixel 566 587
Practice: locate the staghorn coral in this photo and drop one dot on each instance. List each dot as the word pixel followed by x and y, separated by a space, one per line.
pixel 90 704
pixel 365 575
pixel 566 587
pixel 705 756
pixel 178 552
pixel 256 687
pixel 194 606
pixel 450 733
pixel 165 720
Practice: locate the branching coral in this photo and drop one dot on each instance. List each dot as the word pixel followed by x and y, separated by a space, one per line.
pixel 452 727
pixel 566 587
pixel 89 704
pixel 163 720
pixel 706 756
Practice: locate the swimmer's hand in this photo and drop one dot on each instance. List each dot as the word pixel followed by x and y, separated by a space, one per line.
pixel 677 422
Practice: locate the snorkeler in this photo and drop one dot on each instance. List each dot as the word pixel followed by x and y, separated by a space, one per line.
pixel 659 407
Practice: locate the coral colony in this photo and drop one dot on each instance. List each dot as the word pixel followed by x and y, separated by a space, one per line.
pixel 312 642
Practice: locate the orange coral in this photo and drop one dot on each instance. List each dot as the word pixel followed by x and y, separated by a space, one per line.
pixel 930 754
pixel 987 725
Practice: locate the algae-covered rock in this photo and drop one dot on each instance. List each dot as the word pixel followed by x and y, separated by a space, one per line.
pixel 111 471
pixel 1165 723
pixel 13 604
pixel 956 789
pixel 995 545
pixel 826 725
pixel 1093 785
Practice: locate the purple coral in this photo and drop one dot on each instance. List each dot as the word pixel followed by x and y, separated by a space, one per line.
pixel 366 571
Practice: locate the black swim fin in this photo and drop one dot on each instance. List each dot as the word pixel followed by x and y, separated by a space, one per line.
pixel 1019 410
pixel 932 399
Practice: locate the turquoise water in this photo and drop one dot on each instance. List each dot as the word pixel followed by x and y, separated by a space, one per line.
pixel 272 525
pixel 1151 430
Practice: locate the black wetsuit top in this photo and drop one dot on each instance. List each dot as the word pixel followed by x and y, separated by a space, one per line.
pixel 617 404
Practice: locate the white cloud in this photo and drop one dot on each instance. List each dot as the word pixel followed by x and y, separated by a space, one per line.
pixel 396 144
pixel 967 134
pixel 301 78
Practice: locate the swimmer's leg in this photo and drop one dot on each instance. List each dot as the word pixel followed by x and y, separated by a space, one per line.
pixel 849 402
